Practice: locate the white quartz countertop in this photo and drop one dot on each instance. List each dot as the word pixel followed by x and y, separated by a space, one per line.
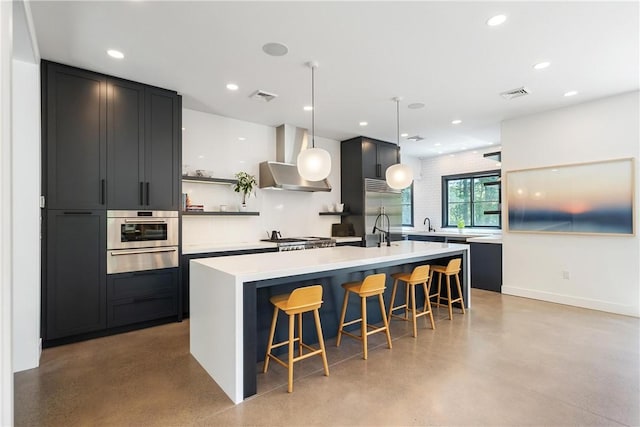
pixel 281 264
pixel 496 239
pixel 203 248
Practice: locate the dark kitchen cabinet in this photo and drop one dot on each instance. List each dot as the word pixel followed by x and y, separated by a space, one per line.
pixel 75 273
pixel 75 130
pixel 144 147
pixel 486 266
pixel 141 296
pixel 376 156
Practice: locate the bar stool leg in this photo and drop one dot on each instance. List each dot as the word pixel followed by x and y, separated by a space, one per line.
pixel 299 334
pixel 439 289
pixel 460 292
pixel 316 316
pixel 393 297
pixel 384 319
pixel 413 309
pixel 449 297
pixel 270 343
pixel 291 343
pixel 406 301
pixel 344 312
pixel 363 308
pixel 427 304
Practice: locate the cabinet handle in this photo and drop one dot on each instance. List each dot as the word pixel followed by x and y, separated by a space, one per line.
pixel 103 185
pixel 77 213
pixel 378 170
pixel 148 203
pixel 142 299
pixel 141 193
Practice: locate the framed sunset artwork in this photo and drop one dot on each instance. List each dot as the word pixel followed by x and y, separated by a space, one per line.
pixel 586 198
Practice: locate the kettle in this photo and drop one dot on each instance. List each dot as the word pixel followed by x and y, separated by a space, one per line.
pixel 275 235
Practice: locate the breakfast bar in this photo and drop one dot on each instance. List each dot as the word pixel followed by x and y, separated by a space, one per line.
pixel 225 294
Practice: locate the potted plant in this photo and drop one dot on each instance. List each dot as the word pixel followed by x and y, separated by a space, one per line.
pixel 460 224
pixel 245 185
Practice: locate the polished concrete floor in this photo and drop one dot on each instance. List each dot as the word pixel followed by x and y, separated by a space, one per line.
pixel 508 361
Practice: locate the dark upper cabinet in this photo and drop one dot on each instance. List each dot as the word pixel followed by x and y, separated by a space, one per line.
pixel 163 111
pixel 125 145
pixel 75 131
pixel 75 295
pixel 371 156
pixel 144 147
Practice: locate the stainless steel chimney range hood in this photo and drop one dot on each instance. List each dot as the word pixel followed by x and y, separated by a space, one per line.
pixel 283 173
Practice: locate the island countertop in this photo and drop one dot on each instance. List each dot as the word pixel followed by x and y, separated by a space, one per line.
pixel 252 267
pixel 224 292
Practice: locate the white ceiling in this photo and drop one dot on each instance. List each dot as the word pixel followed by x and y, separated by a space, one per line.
pixel 439 53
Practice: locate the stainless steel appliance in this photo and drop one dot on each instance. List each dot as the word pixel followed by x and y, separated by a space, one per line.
pixel 300 243
pixel 380 199
pixel 141 240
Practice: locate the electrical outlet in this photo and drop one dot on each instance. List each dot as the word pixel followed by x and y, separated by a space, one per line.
pixel 565 274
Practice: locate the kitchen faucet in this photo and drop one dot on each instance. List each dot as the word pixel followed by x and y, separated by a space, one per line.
pixel 385 234
pixel 425 222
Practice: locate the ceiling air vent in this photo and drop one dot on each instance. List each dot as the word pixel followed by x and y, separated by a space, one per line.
pixel 415 138
pixel 515 93
pixel 262 95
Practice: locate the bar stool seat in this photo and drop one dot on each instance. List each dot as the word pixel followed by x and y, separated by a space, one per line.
pixel 419 276
pixel 301 300
pixel 451 269
pixel 372 285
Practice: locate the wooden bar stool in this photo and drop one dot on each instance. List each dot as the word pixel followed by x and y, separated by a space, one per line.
pixel 451 269
pixel 372 285
pixel 419 276
pixel 299 301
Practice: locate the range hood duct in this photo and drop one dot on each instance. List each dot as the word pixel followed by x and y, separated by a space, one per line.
pixel 283 173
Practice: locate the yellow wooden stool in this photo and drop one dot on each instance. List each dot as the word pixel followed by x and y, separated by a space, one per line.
pixel 372 285
pixel 451 269
pixel 419 276
pixel 299 301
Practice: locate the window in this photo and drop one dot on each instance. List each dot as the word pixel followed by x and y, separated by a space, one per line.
pixel 407 206
pixel 473 198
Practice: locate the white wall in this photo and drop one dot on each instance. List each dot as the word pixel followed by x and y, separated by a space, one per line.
pixel 6 369
pixel 427 187
pixel 211 143
pixel 26 215
pixel 604 271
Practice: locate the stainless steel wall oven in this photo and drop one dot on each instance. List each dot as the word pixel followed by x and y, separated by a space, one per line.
pixel 141 240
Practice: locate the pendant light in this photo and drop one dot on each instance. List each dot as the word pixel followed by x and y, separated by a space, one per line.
pixel 314 164
pixel 399 176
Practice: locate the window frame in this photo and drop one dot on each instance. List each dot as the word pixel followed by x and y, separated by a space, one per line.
pixel 470 175
pixel 412 210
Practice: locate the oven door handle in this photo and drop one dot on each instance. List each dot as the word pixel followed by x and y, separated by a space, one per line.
pixel 145 221
pixel 141 251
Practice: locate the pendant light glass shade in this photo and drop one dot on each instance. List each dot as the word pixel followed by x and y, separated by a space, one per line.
pixel 314 164
pixel 398 176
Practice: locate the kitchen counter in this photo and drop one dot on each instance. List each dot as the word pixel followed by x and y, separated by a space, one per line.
pixel 495 239
pixel 225 296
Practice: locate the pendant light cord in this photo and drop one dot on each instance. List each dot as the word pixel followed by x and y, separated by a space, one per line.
pixel 313 108
pixel 398 122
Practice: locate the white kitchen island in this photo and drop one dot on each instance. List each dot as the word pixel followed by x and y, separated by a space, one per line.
pixel 224 297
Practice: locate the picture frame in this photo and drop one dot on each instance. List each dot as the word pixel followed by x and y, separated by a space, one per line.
pixel 595 198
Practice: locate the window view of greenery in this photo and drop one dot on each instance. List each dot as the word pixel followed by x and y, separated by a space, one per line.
pixel 467 199
pixel 407 206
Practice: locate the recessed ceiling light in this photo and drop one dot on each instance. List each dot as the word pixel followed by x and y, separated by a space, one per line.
pixel 456 122
pixel 437 144
pixel 496 20
pixel 232 86
pixel 241 138
pixel 416 105
pixel 363 123
pixel 201 156
pixel 115 54
pixel 439 152
pixel 307 108
pixel 184 128
pixel 571 93
pixel 404 135
pixel 275 49
pixel 541 65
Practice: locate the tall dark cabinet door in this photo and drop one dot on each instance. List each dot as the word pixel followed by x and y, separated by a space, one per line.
pixel 162 149
pixel 370 167
pixel 125 145
pixel 75 138
pixel 387 156
pixel 76 272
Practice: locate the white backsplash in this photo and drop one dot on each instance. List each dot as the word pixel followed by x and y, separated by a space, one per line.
pixel 212 143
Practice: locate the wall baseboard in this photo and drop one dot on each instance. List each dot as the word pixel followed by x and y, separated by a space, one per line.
pixel 599 305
